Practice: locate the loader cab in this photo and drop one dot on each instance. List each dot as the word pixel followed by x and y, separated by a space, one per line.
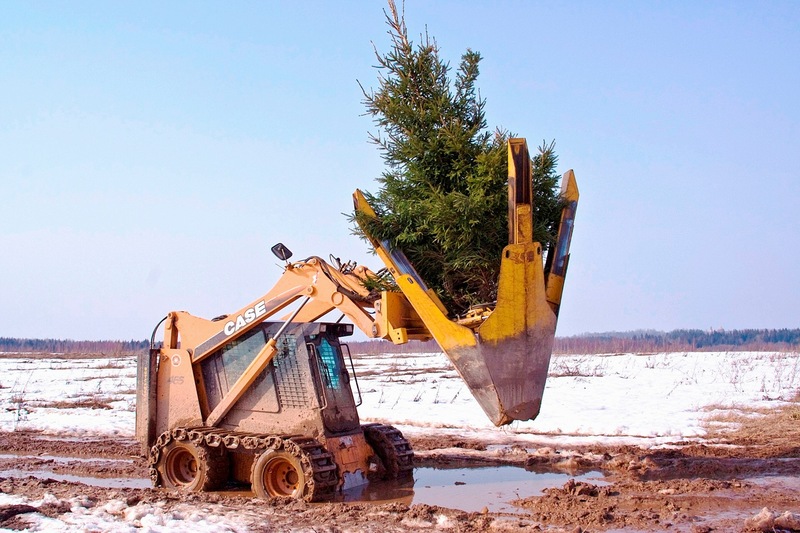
pixel 334 383
pixel 307 389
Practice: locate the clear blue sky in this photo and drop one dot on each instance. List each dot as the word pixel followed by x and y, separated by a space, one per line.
pixel 151 152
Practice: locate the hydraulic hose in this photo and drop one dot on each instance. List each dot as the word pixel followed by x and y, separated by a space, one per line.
pixel 153 336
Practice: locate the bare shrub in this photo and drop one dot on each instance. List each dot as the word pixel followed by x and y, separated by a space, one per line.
pixel 568 366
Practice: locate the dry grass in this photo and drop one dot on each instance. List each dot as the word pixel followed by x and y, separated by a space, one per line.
pixel 89 403
pixel 113 364
pixel 778 427
pixel 570 366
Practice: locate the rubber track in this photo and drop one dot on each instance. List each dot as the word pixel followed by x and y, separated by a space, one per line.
pixel 318 465
pixel 323 468
pixel 392 448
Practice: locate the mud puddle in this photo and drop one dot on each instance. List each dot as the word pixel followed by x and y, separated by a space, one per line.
pixel 94 472
pixel 99 482
pixel 468 489
pixel 62 459
pixel 790 484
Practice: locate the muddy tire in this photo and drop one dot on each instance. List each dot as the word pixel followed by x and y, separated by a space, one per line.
pixel 393 450
pixel 189 467
pixel 278 474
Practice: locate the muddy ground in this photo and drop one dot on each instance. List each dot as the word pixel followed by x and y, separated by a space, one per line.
pixel 718 485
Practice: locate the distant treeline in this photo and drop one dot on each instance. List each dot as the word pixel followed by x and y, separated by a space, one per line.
pixel 375 347
pixel 680 340
pixel 69 346
pixel 592 343
pixel 133 347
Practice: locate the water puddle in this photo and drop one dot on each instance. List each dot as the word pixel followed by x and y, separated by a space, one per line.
pixel 785 483
pixel 105 483
pixel 61 459
pixel 102 482
pixel 81 439
pixel 468 489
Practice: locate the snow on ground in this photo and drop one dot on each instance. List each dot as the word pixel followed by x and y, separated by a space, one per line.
pixel 118 517
pixel 42 394
pixel 644 399
pixel 624 398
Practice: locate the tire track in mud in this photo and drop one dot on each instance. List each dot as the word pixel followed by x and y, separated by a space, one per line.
pixel 694 487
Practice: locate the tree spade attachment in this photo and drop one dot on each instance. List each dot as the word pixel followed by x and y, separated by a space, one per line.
pixel 501 349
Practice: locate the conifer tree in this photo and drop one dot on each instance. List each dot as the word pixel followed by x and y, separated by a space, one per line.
pixel 443 197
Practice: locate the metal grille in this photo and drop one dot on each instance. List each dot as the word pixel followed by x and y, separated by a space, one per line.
pixel 288 377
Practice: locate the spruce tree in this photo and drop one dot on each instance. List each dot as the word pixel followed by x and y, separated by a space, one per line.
pixel 443 197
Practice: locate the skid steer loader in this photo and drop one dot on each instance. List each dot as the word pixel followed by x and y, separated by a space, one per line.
pixel 268 396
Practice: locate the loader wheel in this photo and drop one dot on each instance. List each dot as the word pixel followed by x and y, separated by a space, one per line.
pixel 189 467
pixel 276 474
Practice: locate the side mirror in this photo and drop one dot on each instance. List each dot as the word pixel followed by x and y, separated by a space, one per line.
pixel 281 252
